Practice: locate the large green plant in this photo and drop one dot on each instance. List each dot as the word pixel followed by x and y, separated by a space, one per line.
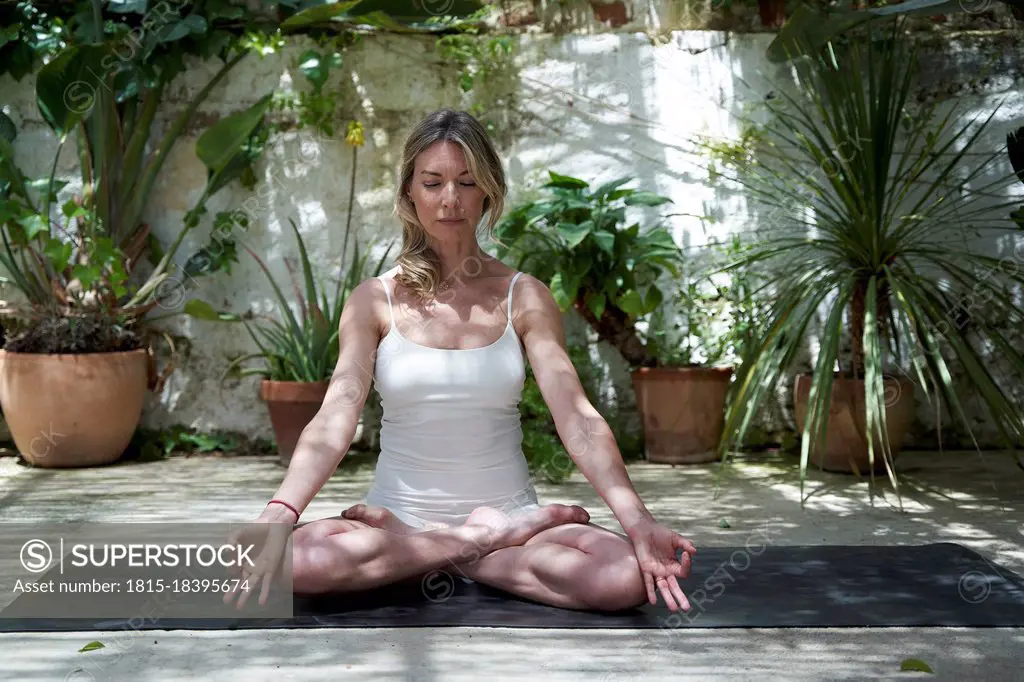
pixel 871 206
pixel 292 347
pixel 107 67
pixel 576 239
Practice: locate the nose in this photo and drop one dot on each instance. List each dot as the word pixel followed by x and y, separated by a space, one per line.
pixel 449 195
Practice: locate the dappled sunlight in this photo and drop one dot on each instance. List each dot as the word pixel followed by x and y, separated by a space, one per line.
pixel 756 496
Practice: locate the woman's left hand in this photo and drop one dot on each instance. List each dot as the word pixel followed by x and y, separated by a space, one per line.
pixel 656 548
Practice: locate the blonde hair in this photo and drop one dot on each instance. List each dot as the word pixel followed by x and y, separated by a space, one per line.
pixel 421 267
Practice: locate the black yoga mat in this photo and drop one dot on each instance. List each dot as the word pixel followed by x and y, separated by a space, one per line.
pixel 941 584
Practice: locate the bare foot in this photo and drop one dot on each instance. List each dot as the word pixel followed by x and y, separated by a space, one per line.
pixel 377 517
pixel 509 531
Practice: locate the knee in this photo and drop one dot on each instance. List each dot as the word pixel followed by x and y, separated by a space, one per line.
pixel 619 584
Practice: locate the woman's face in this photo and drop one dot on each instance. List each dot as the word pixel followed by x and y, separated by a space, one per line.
pixel 445 195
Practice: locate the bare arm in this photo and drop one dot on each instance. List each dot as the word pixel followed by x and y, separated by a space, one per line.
pixel 585 433
pixel 326 439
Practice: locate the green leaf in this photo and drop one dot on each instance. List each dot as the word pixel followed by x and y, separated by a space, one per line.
pixel 916 664
pixel 318 14
pixel 558 292
pixel 92 646
pixel 67 87
pixel 201 310
pixel 574 234
pixel 653 299
pixel 596 303
pixel 156 249
pixel 631 302
pixel 646 199
pixel 608 188
pixel 724 524
pixel 192 24
pixel 313 68
pixel 8 130
pixel 605 240
pixel 565 181
pixel 33 225
pixel 222 141
pixel 809 29
pixel 59 253
pixel 86 274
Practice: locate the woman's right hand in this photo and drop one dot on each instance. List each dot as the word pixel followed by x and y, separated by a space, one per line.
pixel 269 536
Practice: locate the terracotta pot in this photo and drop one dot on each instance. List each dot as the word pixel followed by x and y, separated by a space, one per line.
pixel 846 444
pixel 683 411
pixel 75 409
pixel 292 405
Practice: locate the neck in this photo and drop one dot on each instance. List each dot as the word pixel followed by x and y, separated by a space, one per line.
pixel 461 260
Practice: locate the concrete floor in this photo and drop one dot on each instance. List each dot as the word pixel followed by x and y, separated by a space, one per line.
pixel 974 499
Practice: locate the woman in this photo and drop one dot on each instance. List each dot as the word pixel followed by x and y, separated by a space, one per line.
pixel 452 490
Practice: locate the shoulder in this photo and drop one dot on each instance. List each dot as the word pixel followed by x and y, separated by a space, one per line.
pixel 367 303
pixel 530 289
pixel 534 305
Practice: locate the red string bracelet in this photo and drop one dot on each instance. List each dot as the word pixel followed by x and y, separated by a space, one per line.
pixel 287 505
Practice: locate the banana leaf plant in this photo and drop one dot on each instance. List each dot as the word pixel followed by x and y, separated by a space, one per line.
pixel 870 206
pixel 576 241
pixel 292 347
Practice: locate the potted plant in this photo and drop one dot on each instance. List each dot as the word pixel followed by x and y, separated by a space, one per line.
pixel 297 353
pixel 870 205
pixel 577 241
pixel 698 335
pixel 82 355
pixel 682 399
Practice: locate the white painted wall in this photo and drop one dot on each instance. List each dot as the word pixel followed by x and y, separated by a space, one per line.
pixel 598 106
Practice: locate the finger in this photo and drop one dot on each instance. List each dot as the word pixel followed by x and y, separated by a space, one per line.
pixel 682 569
pixel 677 592
pixel 229 595
pixel 685 545
pixel 649 584
pixel 266 588
pixel 247 589
pixel 667 595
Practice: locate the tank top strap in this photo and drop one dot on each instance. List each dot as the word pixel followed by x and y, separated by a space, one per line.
pixel 510 285
pixel 387 291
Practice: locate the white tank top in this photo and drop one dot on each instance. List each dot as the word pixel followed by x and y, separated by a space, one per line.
pixel 450 437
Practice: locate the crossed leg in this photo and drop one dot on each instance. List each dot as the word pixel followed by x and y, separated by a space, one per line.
pixel 362 550
pixel 571 565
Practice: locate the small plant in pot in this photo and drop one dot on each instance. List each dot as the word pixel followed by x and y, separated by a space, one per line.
pixel 871 206
pixel 298 352
pixel 578 240
pixel 74 370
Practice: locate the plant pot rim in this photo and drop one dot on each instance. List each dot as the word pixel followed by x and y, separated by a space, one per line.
pixel 19 354
pixel 682 369
pixel 280 382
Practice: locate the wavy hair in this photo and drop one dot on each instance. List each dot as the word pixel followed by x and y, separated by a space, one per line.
pixel 421 266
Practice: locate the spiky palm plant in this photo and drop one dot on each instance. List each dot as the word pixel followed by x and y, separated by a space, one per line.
pixel 870 203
